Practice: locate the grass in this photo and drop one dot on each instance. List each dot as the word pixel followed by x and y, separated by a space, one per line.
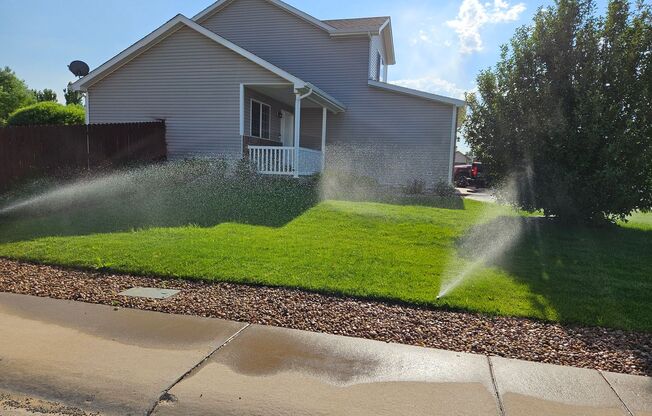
pixel 374 250
pixel 640 220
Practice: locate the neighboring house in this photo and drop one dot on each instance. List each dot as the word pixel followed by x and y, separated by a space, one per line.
pixel 263 79
pixel 462 159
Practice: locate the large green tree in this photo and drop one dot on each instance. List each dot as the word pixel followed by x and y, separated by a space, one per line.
pixel 566 114
pixel 72 97
pixel 13 94
pixel 45 95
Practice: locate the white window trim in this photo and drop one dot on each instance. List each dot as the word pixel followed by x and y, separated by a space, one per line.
pixel 260 122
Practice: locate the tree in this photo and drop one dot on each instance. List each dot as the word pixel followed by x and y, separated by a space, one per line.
pixel 45 95
pixel 567 112
pixel 13 93
pixel 47 113
pixel 72 97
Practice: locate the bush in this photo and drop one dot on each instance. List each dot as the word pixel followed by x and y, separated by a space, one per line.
pixel 415 187
pixel 47 113
pixel 445 190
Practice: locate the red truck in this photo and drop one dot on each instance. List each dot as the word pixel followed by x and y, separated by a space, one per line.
pixel 470 175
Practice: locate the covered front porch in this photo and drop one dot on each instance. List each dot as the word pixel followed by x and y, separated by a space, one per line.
pixel 283 127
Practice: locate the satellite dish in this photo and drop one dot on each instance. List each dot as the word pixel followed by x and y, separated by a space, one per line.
pixel 79 68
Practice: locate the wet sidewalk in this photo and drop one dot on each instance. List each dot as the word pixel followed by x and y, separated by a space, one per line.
pixel 61 357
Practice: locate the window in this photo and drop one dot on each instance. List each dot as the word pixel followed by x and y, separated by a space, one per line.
pixel 260 119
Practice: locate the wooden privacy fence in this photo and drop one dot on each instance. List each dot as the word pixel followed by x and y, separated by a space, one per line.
pixel 33 150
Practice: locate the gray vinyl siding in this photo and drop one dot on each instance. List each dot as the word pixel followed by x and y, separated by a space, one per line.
pixel 311 123
pixel 399 136
pixel 189 81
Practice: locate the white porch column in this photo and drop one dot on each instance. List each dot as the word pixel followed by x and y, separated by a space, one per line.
pixel 297 133
pixel 323 138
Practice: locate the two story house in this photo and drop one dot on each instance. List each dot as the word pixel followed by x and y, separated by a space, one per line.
pixel 264 80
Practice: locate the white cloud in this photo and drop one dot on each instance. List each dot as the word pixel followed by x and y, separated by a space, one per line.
pixel 432 84
pixel 423 36
pixel 473 15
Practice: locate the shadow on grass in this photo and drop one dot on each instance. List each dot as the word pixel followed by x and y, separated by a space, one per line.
pixel 598 275
pixel 163 196
pixel 200 193
pixel 595 276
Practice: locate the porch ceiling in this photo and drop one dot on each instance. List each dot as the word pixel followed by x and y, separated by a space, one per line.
pixel 281 93
pixel 285 94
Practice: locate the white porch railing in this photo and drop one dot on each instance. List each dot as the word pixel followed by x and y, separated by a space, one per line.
pixel 280 160
pixel 272 160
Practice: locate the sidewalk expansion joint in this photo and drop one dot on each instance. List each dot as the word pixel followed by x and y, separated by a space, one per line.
pixel 629 412
pixel 495 384
pixel 165 393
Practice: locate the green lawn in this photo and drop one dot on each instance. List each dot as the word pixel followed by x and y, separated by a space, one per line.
pixel 385 251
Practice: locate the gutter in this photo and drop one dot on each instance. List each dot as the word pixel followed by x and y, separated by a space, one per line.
pixel 306 95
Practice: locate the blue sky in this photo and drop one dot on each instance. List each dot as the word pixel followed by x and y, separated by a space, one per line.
pixel 440 45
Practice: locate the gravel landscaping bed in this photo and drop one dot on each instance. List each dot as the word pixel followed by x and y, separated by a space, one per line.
pixel 23 405
pixel 599 348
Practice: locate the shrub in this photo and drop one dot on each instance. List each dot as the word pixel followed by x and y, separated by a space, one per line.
pixel 244 169
pixel 47 113
pixel 444 190
pixel 415 187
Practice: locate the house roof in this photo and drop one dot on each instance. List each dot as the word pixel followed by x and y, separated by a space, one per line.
pixel 358 24
pixel 416 93
pixel 337 27
pixel 380 25
pixel 177 23
pixel 220 4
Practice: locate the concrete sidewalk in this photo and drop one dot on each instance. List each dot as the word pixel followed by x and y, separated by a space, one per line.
pixel 482 194
pixel 68 358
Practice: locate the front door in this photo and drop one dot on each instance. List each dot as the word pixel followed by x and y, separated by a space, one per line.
pixel 287 128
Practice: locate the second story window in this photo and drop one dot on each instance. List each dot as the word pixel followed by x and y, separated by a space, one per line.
pixel 260 119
